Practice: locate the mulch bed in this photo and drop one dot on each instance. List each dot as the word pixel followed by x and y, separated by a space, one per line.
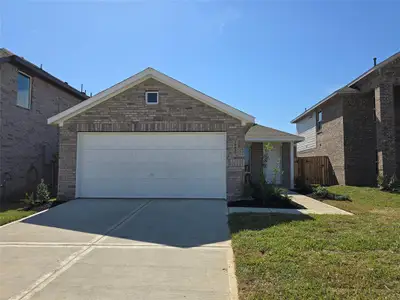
pixel 44 206
pixel 279 203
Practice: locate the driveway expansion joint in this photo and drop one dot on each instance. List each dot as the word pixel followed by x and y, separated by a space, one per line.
pixel 43 281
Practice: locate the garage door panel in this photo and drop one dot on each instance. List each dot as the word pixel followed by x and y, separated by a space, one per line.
pixel 150 170
pixel 154 188
pixel 161 155
pixel 153 141
pixel 147 165
pixel 173 167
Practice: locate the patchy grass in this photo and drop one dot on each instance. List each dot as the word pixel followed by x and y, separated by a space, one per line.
pixel 364 199
pixel 13 215
pixel 282 256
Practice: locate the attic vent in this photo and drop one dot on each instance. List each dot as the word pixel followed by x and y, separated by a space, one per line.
pixel 152 97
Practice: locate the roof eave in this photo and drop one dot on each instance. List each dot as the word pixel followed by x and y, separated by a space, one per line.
pixel 342 91
pixel 16 60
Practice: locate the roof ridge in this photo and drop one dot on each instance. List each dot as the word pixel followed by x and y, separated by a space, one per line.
pixel 350 85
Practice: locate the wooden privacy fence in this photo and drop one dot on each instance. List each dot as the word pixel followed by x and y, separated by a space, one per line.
pixel 314 170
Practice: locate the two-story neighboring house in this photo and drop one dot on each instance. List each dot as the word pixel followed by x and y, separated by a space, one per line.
pixel 357 126
pixel 28 96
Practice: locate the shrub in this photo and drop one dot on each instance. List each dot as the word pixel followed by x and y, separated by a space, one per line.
pixel 42 192
pixel 29 199
pixel 321 192
pixel 394 184
pixel 386 184
pixel 302 187
pixel 247 190
pixel 340 197
pixel 267 193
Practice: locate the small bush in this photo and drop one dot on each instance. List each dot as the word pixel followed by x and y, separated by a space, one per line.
pixel 42 195
pixel 340 197
pixel 389 185
pixel 302 187
pixel 247 190
pixel 42 192
pixel 267 193
pixel 321 192
pixel 394 184
pixel 29 199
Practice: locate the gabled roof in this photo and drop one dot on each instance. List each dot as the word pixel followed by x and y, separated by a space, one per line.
pixel 349 88
pixel 259 133
pixel 137 79
pixel 7 56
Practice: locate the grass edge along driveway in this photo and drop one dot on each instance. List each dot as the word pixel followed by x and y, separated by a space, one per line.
pixel 13 215
pixel 280 256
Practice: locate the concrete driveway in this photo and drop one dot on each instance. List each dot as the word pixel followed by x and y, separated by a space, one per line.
pixel 119 249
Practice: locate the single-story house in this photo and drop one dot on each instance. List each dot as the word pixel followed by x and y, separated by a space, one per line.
pixel 151 136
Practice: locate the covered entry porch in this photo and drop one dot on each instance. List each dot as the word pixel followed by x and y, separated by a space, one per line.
pixel 272 151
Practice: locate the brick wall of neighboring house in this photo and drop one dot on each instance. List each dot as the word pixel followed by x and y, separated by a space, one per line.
pixel 359 138
pixel 330 139
pixel 175 112
pixel 383 82
pixel 27 142
pixel 353 141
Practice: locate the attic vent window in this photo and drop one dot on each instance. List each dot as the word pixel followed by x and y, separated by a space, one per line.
pixel 151 97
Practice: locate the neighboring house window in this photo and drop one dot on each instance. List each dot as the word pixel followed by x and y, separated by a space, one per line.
pixel 24 90
pixel 319 121
pixel 151 97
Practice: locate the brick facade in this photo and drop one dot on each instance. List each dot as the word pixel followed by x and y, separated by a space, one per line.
pixel 359 138
pixel 361 130
pixel 330 139
pixel 27 143
pixel 175 112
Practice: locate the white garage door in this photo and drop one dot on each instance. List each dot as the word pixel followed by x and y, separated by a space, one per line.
pixel 156 165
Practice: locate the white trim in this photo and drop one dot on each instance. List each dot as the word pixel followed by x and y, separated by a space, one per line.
pixel 30 91
pixel 276 139
pixel 137 79
pixel 152 92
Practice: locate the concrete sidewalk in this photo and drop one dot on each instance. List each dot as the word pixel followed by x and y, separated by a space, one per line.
pixel 311 206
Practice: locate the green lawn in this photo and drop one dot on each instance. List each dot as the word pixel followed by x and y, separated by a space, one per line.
pixel 321 257
pixel 13 215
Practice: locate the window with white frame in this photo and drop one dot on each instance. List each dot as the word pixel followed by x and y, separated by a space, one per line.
pixel 319 120
pixel 24 90
pixel 151 97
